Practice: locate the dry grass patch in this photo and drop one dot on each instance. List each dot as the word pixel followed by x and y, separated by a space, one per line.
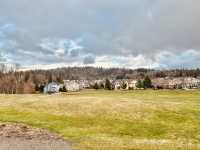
pixel 137 120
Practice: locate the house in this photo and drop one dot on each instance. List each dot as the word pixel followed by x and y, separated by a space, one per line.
pixel 176 83
pixel 132 84
pixel 184 83
pixel 72 85
pixel 124 84
pixel 191 83
pixel 167 83
pixel 52 87
pixel 84 84
pixel 100 83
pixel 160 83
pixel 116 84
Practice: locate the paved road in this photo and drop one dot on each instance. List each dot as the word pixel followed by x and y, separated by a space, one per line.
pixel 14 143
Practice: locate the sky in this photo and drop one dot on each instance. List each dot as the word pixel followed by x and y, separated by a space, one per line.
pixel 133 34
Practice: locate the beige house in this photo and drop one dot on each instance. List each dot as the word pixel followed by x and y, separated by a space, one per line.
pixel 176 83
pixel 130 84
pixel 160 83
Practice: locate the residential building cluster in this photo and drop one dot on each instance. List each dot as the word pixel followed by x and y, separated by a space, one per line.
pixel 123 84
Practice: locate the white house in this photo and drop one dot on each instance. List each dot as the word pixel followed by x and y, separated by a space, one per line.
pixel 52 87
pixel 117 84
pixel 190 83
pixel 84 84
pixel 72 85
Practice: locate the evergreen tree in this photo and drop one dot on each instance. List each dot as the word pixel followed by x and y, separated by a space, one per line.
pixel 108 85
pixel 101 86
pixel 96 86
pixel 63 89
pixel 41 88
pixel 139 84
pixel 124 85
pixel 147 82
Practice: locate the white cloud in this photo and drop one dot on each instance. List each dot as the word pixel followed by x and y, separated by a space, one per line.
pixel 162 60
pixel 130 61
pixel 60 52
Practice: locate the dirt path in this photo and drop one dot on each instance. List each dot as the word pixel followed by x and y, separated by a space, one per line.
pixel 21 137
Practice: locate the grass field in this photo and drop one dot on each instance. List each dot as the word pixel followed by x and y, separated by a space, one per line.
pixel 109 120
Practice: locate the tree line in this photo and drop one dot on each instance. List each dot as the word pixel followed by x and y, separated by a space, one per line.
pixel 13 81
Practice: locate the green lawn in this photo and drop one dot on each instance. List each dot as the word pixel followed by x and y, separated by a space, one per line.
pixel 113 120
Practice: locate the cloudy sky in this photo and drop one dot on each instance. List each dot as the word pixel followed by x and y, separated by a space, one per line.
pixel 108 33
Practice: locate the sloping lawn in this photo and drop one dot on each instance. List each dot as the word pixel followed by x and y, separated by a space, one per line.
pixel 113 120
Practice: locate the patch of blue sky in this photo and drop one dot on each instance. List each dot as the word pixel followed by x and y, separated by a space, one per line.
pixel 8 28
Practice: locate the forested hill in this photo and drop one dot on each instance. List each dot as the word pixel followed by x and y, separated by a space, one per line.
pixel 14 81
pixel 92 73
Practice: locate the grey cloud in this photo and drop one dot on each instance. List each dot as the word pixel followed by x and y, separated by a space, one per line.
pixel 74 53
pixel 186 59
pixel 113 28
pixel 89 60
